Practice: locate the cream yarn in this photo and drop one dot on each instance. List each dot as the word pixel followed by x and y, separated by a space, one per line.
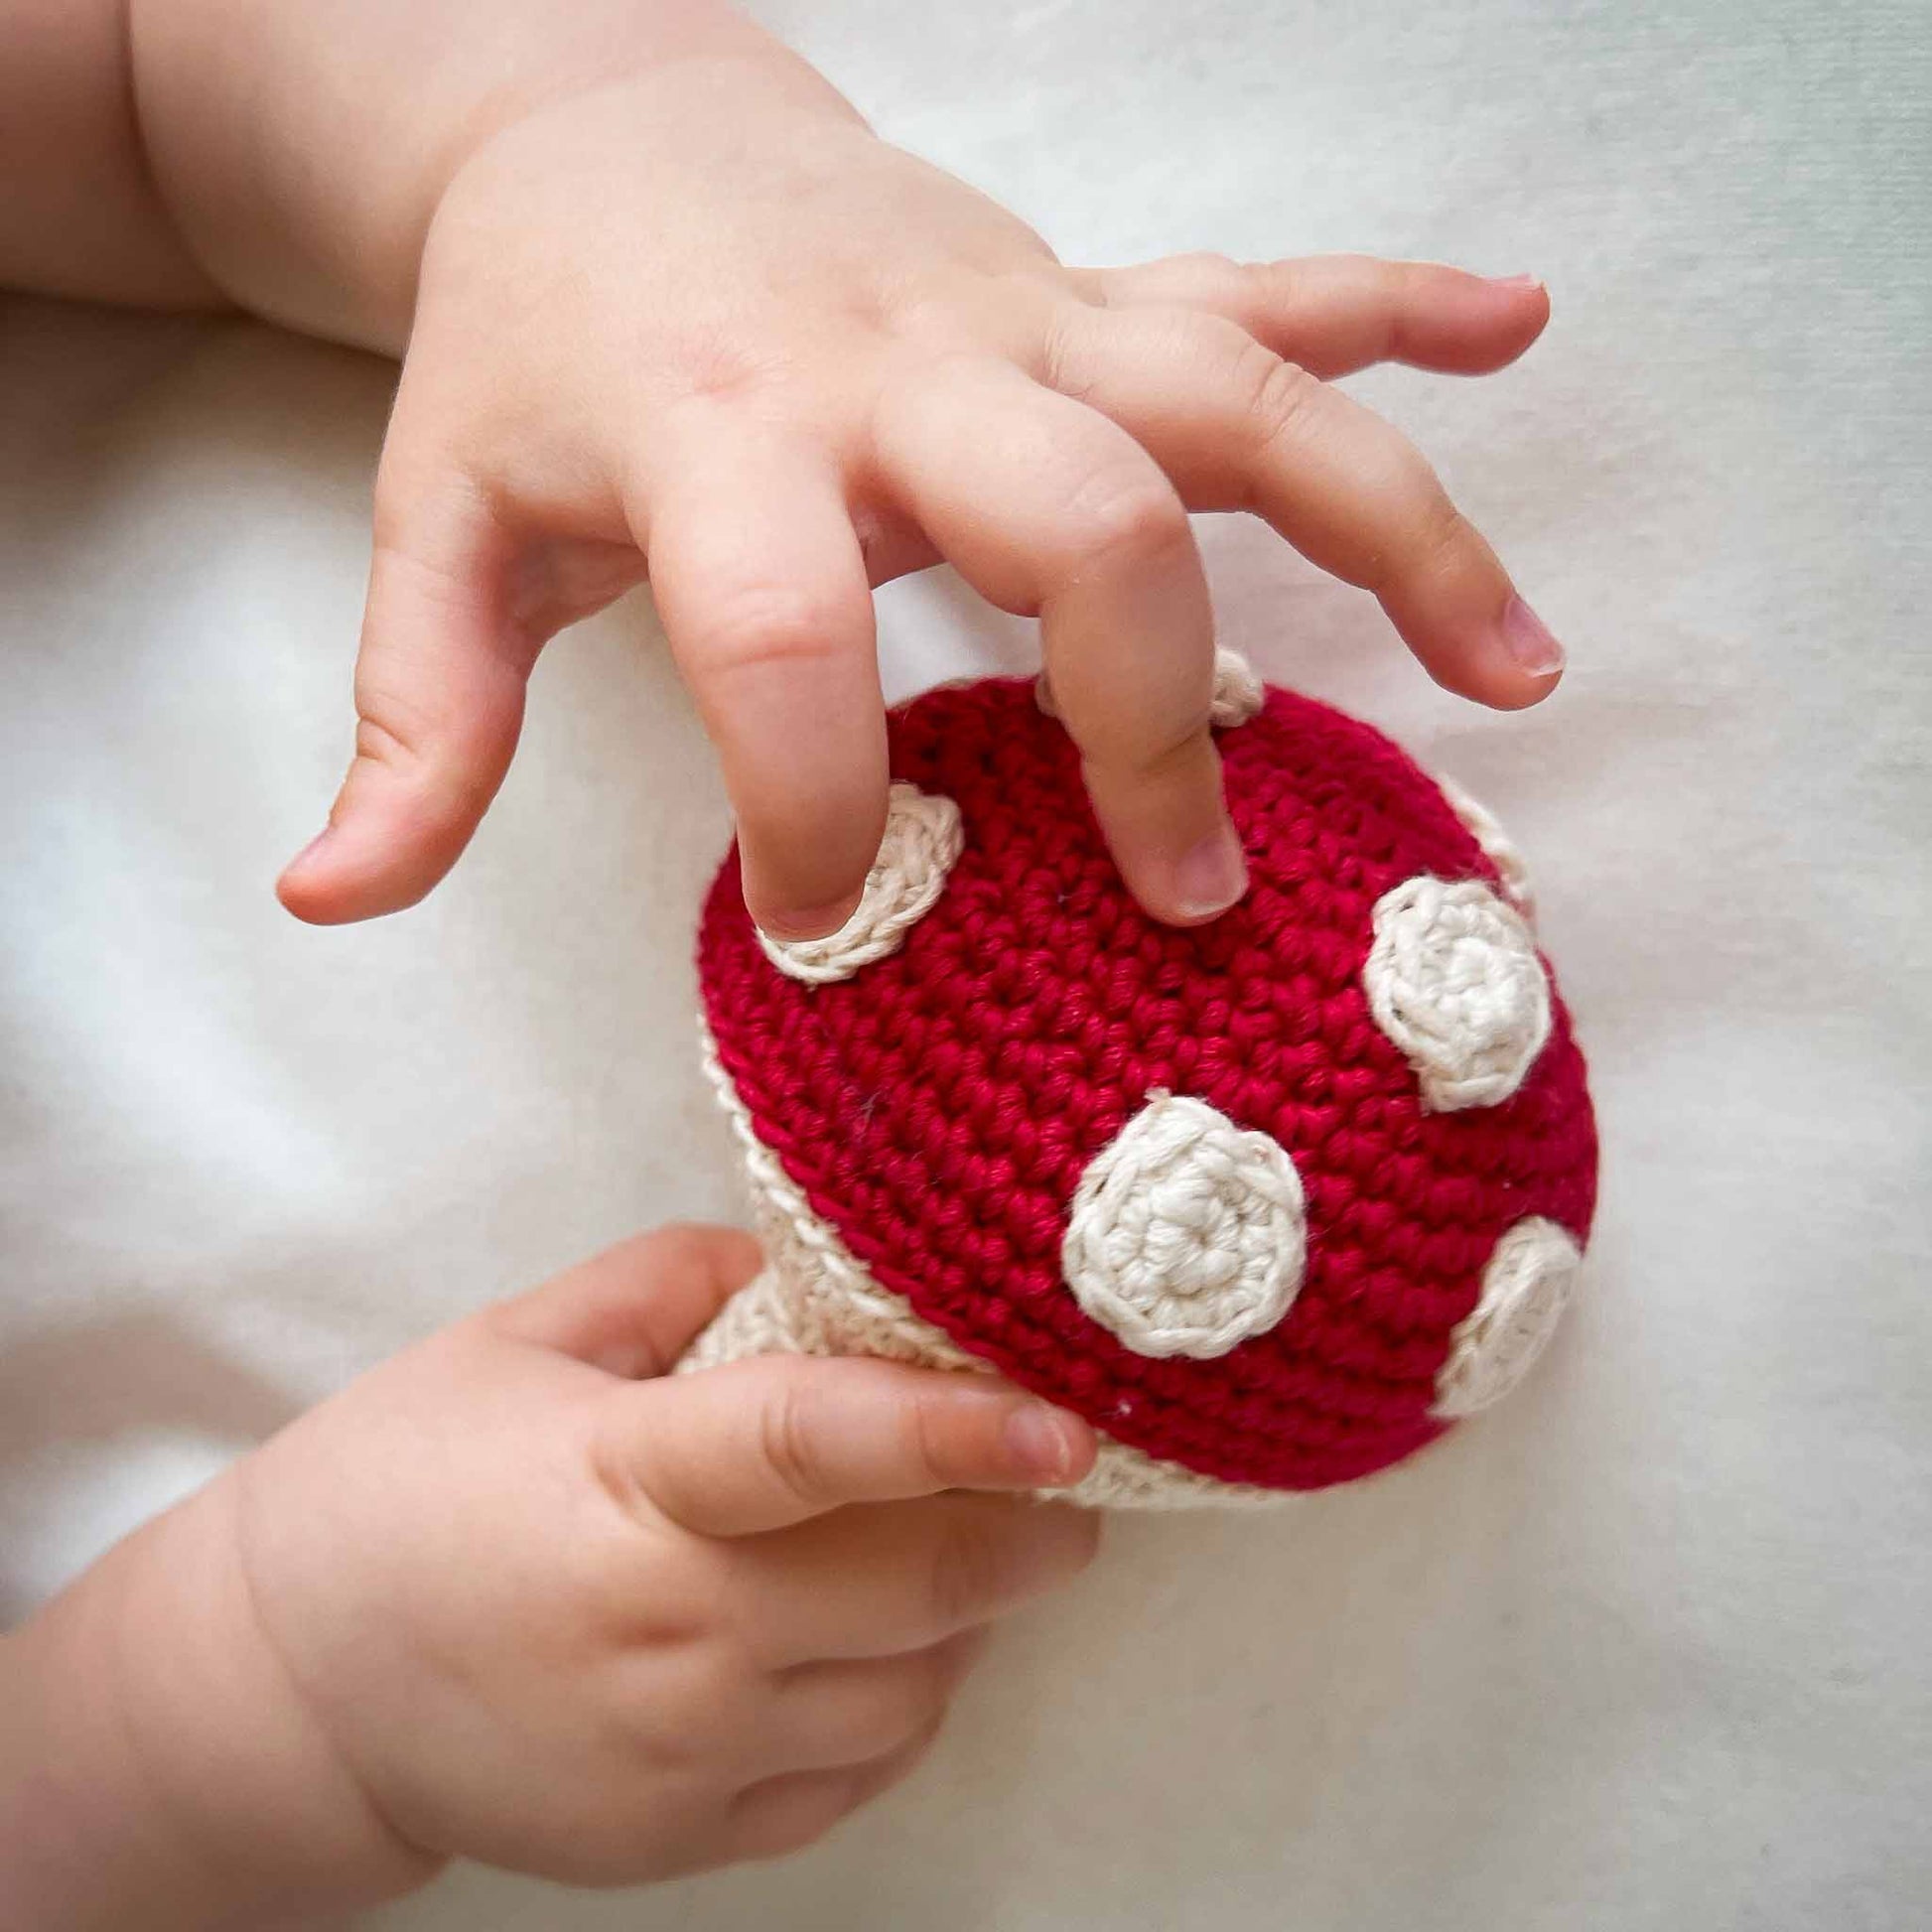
pixel 922 840
pixel 1525 1289
pixel 1495 843
pixel 1452 978
pixel 1238 693
pixel 1187 1234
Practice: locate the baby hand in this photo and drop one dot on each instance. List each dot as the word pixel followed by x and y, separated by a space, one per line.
pixel 701 315
pixel 519 1595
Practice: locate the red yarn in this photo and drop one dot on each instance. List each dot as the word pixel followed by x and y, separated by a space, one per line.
pixel 939 1107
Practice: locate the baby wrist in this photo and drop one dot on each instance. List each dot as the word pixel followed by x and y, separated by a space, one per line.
pixel 160 1766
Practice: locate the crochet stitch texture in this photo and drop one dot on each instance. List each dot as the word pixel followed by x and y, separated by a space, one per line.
pixel 939 1108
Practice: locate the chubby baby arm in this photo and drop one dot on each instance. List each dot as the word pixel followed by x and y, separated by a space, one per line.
pixel 518 1595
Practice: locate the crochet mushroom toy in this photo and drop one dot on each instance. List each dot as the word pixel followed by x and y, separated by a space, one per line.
pixel 1272 1201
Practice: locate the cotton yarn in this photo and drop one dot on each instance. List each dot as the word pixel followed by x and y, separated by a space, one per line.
pixel 1185 1235
pixel 1525 1289
pixel 1512 872
pixel 1454 979
pixel 1271 1202
pixel 920 842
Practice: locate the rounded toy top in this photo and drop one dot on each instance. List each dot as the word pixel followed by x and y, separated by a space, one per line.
pixel 1273 1198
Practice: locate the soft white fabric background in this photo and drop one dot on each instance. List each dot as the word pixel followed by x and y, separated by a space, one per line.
pixel 1644 1649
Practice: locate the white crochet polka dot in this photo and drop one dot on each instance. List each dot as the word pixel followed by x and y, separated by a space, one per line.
pixel 815 1297
pixel 1186 1234
pixel 1496 844
pixel 1238 693
pixel 1525 1289
pixel 1453 980
pixel 923 836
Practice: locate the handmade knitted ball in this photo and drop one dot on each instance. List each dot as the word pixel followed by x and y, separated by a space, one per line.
pixel 1271 1202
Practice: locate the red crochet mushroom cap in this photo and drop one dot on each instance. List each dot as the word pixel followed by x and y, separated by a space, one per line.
pixel 1367 1197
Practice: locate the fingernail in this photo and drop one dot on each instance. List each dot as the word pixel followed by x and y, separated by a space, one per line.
pixel 1516 281
pixel 1529 642
pixel 1210 876
pixel 1042 1442
pixel 810 922
pixel 310 850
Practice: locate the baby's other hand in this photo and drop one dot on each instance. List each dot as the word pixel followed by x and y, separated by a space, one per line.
pixel 530 1600
pixel 703 317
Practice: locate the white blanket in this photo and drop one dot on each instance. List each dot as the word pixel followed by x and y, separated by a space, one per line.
pixel 1644 1648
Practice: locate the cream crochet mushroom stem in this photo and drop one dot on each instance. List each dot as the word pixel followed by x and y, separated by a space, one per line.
pixel 1525 1289
pixel 1453 980
pixel 1186 1234
pixel 814 1297
pixel 921 843
pixel 1238 693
